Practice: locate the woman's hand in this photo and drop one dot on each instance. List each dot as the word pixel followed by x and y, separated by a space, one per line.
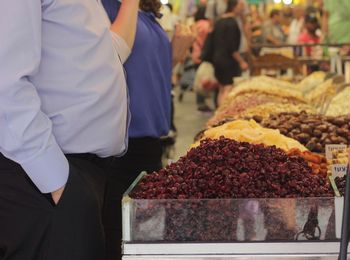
pixel 181 42
pixel 244 65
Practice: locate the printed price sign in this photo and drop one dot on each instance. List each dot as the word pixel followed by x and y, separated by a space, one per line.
pixel 330 148
pixel 339 170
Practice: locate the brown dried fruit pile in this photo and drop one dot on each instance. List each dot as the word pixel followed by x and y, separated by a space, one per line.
pixel 313 131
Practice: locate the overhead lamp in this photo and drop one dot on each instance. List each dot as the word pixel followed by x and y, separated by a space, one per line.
pixel 164 2
pixel 287 2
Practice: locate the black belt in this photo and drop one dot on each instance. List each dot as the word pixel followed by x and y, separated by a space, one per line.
pixel 91 157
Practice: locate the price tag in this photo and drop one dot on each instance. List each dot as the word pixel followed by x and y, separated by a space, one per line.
pixel 338 170
pixel 330 148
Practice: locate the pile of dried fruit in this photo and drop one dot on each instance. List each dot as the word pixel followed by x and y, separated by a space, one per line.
pixel 251 132
pixel 225 168
pixel 266 85
pixel 340 104
pixel 322 93
pixel 255 92
pixel 314 131
pixel 215 172
pixel 318 163
pixel 263 111
pixel 244 102
pixel 310 82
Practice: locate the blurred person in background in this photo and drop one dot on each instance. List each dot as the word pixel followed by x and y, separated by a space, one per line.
pixel 310 35
pixel 227 60
pixel 244 25
pixel 149 71
pixel 256 23
pixel 297 24
pixel 272 29
pixel 186 75
pixel 202 27
pixel 214 10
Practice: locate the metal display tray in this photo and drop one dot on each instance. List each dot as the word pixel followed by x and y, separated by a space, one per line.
pixel 239 251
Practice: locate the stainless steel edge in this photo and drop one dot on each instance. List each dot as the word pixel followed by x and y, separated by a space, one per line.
pixel 290 248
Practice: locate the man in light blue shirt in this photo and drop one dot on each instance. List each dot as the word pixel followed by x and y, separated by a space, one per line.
pixel 63 106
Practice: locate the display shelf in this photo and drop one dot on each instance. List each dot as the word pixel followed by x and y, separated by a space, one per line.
pixel 229 220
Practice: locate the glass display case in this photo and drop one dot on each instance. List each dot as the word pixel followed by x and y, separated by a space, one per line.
pixel 228 220
pixel 204 222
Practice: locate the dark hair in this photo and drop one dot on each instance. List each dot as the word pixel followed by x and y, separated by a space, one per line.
pixel 152 6
pixel 274 12
pixel 231 5
pixel 311 18
pixel 200 14
pixel 170 6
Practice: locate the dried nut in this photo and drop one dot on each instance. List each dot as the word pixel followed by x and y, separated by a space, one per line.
pixel 283 131
pixel 317 133
pixel 334 139
pixel 338 121
pixel 342 132
pixel 288 127
pixel 328 141
pixel 295 124
pixel 342 140
pixel 306 129
pixel 322 128
pixel 318 148
pixel 304 138
pixel 311 145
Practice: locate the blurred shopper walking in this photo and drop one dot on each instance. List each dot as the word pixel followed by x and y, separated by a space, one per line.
pixel 226 38
pixel 201 28
pixel 272 29
pixel 297 25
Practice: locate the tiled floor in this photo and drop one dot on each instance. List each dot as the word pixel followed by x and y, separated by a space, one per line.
pixel 188 122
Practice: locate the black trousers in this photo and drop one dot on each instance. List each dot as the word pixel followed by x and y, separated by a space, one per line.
pixel 144 154
pixel 32 227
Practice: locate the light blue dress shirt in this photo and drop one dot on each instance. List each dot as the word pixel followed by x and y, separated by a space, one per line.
pixel 62 86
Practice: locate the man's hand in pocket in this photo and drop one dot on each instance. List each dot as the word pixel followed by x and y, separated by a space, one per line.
pixel 56 195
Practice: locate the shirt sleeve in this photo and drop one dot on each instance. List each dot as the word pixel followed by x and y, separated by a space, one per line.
pixel 121 48
pixel 25 131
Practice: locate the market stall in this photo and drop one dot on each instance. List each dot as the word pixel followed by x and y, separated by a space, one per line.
pixel 265 180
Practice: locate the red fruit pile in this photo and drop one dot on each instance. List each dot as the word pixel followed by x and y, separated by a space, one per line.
pixel 225 168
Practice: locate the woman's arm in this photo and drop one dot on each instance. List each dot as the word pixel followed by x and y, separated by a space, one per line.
pixel 242 63
pixel 235 36
pixel 125 23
